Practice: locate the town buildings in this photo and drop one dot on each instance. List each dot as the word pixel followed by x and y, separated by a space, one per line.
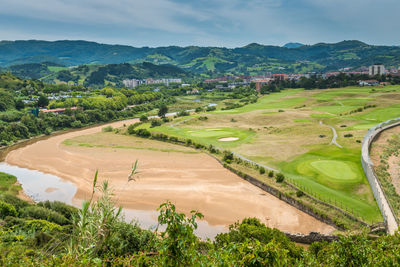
pixel 376 69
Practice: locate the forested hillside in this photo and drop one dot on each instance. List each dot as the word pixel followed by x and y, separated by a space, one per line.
pixel 96 75
pixel 251 59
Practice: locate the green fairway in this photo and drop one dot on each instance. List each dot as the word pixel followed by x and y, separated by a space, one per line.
pixel 335 170
pixel 283 130
pixel 272 101
pixel 335 175
pixel 209 135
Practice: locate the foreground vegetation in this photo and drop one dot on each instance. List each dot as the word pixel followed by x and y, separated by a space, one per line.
pixel 53 233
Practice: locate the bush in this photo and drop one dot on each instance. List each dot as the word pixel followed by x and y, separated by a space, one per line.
pixel 211 108
pixel 281 110
pixel 202 118
pixel 348 135
pixel 129 238
pixel 107 129
pixel 262 170
pixel 14 201
pixel 7 210
pixel 228 156
pixel 131 128
pixel 41 225
pixel 48 131
pixel 165 119
pixel 66 210
pixel 299 193
pixel 280 177
pixel 143 118
pixel 77 124
pixel 155 123
pixel 182 113
pixel 143 133
pixel 271 174
pixel 38 212
pixel 198 109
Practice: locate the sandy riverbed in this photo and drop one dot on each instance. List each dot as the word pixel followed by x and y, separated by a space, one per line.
pixel 191 181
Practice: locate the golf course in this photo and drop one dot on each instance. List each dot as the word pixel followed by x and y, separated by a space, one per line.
pixel 292 131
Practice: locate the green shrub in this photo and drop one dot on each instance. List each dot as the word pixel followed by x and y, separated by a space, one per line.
pixel 198 109
pixel 41 226
pixel 271 174
pixel 107 129
pixel 143 118
pixel 48 131
pixel 38 212
pixel 66 210
pixel 155 123
pixel 211 108
pixel 182 113
pixel 128 239
pixel 14 201
pixel 299 193
pixel 202 118
pixel 76 124
pixel 228 156
pixel 143 133
pixel 348 135
pixel 7 210
pixel 131 128
pixel 279 177
pixel 262 170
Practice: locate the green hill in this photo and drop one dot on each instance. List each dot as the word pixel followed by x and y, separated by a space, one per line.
pixel 251 59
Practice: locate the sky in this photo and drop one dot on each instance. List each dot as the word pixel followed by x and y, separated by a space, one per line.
pixel 228 23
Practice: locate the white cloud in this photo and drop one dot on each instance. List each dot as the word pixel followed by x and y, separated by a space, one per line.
pixel 219 22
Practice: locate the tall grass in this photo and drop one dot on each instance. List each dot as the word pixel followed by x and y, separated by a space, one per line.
pixel 95 223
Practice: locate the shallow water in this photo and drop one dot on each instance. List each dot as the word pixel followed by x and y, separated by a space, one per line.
pixel 41 187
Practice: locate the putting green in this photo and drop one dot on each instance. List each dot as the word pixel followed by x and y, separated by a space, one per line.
pixel 336 170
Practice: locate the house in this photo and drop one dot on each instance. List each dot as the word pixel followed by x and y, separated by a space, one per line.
pixel 368 83
pixel 385 83
pixel 57 110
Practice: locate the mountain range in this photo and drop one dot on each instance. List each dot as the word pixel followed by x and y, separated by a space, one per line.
pixel 252 59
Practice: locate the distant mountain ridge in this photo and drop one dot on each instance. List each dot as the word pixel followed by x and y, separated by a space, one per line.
pixel 251 59
pixel 293 45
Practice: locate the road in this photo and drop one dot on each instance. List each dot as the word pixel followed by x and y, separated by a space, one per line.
pixel 335 135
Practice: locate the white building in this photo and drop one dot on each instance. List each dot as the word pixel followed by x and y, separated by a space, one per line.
pixel 131 83
pixel 376 69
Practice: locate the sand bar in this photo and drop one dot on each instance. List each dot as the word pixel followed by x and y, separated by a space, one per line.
pixel 191 181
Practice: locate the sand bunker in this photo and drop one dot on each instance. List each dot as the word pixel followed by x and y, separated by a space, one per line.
pixel 191 181
pixel 228 139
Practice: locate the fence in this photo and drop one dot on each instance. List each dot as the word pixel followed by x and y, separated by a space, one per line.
pixel 384 205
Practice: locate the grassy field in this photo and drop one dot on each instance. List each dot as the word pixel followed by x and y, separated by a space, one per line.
pixel 8 184
pixel 283 130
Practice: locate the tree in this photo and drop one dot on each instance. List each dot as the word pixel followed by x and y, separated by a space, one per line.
pixel 19 104
pixel 43 101
pixel 178 246
pixel 162 111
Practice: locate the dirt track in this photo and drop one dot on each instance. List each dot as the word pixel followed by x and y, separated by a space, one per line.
pixel 191 181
